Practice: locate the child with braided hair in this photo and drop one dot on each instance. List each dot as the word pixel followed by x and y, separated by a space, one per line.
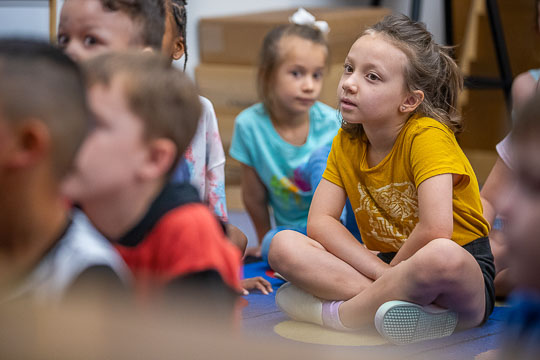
pixel 203 163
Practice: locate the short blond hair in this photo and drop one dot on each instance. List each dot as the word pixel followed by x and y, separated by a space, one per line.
pixel 158 93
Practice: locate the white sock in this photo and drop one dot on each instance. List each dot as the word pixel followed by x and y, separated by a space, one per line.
pixel 299 305
pixel 330 316
pixel 302 306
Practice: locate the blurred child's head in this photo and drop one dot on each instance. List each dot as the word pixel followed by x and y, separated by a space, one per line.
pixel 43 113
pixel 293 60
pixel 90 27
pixel 522 209
pixel 430 74
pixel 174 40
pixel 146 113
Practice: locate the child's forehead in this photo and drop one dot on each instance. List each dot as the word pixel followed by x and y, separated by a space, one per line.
pixel 378 49
pixel 293 47
pixel 289 42
pixel 377 43
pixel 88 12
pixel 80 8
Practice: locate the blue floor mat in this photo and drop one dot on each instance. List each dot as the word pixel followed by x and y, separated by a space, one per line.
pixel 261 315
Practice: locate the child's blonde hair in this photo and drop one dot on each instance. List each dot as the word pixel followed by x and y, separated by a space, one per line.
pixel 159 94
pixel 430 68
pixel 270 57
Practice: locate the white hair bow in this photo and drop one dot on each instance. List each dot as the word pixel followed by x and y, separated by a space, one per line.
pixel 303 17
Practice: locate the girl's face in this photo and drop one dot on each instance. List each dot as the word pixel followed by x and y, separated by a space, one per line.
pixel 372 87
pixel 298 80
pixel 86 29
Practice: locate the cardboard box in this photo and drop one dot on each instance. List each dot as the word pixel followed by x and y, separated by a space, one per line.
pixel 482 162
pixel 226 117
pixel 233 171
pixel 234 86
pixel 237 39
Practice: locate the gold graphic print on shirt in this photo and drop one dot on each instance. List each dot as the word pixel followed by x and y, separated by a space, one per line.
pixel 391 211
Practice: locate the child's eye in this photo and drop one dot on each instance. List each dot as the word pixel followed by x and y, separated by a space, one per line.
pixel 296 73
pixel 372 77
pixel 90 40
pixel 318 75
pixel 62 40
pixel 348 69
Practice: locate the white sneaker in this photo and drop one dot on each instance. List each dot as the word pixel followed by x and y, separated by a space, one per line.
pixel 402 322
pixel 298 304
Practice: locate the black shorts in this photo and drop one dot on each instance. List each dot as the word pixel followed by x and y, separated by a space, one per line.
pixel 481 251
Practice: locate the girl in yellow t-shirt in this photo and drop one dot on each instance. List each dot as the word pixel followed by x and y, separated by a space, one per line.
pixel 426 265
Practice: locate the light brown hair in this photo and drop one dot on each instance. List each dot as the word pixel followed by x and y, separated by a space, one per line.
pixel 430 68
pixel 270 57
pixel 159 94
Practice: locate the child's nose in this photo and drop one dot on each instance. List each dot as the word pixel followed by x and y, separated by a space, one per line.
pixel 349 85
pixel 308 84
pixel 74 51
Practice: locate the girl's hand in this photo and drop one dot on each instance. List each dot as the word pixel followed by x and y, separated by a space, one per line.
pixel 254 251
pixel 258 283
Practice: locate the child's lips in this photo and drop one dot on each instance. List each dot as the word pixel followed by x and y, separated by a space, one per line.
pixel 306 100
pixel 347 104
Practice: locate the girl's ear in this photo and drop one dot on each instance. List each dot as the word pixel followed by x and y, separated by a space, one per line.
pixel 412 101
pixel 178 48
pixel 160 158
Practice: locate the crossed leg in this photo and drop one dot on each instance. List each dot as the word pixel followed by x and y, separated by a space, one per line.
pixel 308 265
pixel 441 273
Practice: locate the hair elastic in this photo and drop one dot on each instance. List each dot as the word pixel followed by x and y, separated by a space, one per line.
pixel 303 17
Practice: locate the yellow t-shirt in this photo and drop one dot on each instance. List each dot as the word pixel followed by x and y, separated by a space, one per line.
pixel 384 197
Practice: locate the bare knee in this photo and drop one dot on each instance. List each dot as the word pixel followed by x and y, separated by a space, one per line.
pixel 440 263
pixel 283 250
pixel 446 274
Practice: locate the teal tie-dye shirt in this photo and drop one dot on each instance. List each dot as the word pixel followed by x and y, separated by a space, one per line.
pixel 278 163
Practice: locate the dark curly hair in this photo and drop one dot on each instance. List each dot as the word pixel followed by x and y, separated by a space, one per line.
pixel 178 9
pixel 148 14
